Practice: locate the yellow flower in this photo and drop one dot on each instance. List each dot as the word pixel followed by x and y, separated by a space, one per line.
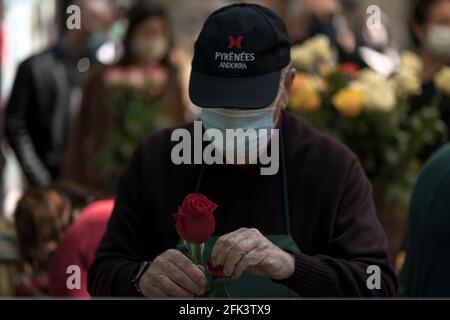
pixel 442 80
pixel 411 61
pixel 302 57
pixel 304 97
pixel 407 78
pixel 369 77
pixel 349 102
pixel 316 49
pixel 379 94
pixel 326 68
pixel 407 82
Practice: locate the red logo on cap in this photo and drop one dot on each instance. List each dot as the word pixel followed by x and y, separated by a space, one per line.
pixel 235 42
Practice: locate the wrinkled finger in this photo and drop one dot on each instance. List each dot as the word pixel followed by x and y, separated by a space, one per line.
pixel 191 270
pixel 224 245
pixel 218 247
pixel 182 279
pixel 248 262
pixel 237 252
pixel 169 287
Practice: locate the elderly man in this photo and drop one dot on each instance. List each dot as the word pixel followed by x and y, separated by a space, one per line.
pixel 307 229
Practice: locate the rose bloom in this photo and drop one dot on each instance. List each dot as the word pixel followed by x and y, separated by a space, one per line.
pixel 195 218
pixel 135 77
pixel 411 61
pixel 302 57
pixel 114 76
pixel 349 102
pixel 321 47
pixel 313 50
pixel 407 82
pixel 379 94
pixel 214 271
pixel 304 97
pixel 349 68
pixel 442 80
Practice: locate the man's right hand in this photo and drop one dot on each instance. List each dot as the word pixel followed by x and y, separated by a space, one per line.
pixel 172 274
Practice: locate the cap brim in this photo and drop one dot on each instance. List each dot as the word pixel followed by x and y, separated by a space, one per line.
pixel 244 93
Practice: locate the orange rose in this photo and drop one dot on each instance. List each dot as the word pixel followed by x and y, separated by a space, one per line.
pixel 349 102
pixel 304 97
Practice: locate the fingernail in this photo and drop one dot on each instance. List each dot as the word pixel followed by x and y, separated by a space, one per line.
pixel 201 267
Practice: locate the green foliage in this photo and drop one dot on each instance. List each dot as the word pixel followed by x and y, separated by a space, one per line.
pixel 135 115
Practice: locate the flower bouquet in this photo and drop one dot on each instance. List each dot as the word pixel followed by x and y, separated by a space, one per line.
pixel 133 101
pixel 368 113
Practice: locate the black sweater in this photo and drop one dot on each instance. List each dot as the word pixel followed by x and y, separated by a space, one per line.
pixel 333 219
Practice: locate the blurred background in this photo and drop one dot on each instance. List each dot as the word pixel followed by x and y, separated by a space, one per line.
pixel 82 82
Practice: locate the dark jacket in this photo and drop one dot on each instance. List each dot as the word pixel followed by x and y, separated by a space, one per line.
pixel 333 218
pixel 427 264
pixel 37 114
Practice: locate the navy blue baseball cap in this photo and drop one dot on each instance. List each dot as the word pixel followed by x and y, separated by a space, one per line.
pixel 238 58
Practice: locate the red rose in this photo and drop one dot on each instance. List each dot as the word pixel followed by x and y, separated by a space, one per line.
pixel 195 218
pixel 349 68
pixel 214 271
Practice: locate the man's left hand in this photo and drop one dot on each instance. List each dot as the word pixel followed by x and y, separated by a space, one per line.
pixel 247 250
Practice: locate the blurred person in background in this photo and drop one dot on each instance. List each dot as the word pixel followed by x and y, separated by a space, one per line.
pixel 77 248
pixel 323 17
pixel 125 102
pixel 431 32
pixel 425 273
pixel 57 229
pixel 367 46
pixel 41 217
pixel 373 48
pixel 46 91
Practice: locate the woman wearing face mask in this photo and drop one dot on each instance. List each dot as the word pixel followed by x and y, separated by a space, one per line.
pixel 431 32
pixel 147 46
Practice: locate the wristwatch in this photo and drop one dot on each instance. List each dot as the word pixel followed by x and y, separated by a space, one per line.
pixel 138 275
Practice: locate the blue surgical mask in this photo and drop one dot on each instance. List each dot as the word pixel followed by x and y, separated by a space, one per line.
pixel 260 120
pixel 222 119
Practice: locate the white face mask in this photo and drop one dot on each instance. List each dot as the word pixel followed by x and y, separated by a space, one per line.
pixel 150 50
pixel 438 40
pixel 261 120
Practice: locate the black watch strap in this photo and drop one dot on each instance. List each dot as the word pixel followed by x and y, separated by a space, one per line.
pixel 138 274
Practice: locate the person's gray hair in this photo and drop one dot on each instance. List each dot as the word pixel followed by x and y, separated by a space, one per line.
pixel 284 72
